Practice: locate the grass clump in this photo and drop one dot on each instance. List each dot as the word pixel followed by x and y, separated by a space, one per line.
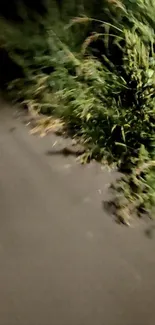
pixel 101 82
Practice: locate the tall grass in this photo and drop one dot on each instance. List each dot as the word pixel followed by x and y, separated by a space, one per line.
pixel 103 89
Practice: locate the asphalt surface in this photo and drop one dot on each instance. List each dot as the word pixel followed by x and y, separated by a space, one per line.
pixel 63 260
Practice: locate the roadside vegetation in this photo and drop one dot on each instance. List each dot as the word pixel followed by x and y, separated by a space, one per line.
pixel 94 68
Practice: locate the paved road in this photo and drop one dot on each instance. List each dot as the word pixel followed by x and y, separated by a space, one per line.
pixel 63 261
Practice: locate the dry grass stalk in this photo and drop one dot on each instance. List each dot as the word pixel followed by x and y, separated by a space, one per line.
pixel 93 37
pixel 47 124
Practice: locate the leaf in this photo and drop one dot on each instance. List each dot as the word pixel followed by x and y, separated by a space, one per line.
pixel 150 73
pixel 120 144
pixel 113 128
pixel 88 116
pixel 123 133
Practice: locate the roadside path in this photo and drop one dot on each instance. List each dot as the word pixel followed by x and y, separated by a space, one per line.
pixel 63 261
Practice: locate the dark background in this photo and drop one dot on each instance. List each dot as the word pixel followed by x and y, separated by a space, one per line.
pixel 8 9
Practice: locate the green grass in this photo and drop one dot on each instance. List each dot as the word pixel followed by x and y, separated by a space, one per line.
pixel 98 75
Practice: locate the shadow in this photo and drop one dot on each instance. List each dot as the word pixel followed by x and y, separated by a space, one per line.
pixel 65 152
pixel 12 129
pixel 62 133
pixel 110 209
pixel 149 232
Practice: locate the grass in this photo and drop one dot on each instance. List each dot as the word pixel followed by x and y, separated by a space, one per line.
pixel 103 90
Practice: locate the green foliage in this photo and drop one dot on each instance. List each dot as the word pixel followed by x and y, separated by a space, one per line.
pixel 103 89
pixel 135 192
